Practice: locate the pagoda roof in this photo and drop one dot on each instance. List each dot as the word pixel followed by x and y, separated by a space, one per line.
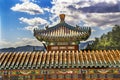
pixel 60 59
pixel 63 23
pixel 64 31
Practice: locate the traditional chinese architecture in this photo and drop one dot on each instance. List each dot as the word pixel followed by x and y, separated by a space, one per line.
pixel 60 65
pixel 62 60
pixel 62 36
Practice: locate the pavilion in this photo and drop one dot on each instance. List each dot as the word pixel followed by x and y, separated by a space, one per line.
pixel 62 59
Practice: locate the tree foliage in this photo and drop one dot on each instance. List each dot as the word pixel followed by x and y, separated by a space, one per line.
pixel 108 41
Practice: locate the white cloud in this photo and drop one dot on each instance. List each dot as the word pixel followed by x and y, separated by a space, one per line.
pixel 20 42
pixel 33 22
pixel 107 1
pixel 4 44
pixel 62 6
pixel 25 0
pixel 63 1
pixel 93 30
pixel 30 28
pixel 103 20
pixel 28 7
pixel 90 39
pixel 84 4
pixel 46 9
pixel 75 16
pixel 30 1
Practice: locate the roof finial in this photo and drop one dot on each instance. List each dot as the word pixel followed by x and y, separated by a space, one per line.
pixel 62 17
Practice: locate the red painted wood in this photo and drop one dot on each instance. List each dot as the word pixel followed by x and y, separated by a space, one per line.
pixel 62 47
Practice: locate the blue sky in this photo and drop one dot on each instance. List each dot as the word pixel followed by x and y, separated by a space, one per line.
pixel 18 18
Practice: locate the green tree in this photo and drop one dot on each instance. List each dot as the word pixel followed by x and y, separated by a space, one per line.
pixel 111 40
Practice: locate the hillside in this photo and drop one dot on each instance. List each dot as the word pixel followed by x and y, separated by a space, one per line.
pixel 23 48
pixel 108 41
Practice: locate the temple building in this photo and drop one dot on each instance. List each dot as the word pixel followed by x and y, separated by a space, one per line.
pixel 62 36
pixel 62 59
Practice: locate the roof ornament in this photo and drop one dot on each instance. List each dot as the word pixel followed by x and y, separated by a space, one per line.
pixel 62 17
pixel 77 26
pixel 46 27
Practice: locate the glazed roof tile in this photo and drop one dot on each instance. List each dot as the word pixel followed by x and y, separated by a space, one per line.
pixel 60 59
